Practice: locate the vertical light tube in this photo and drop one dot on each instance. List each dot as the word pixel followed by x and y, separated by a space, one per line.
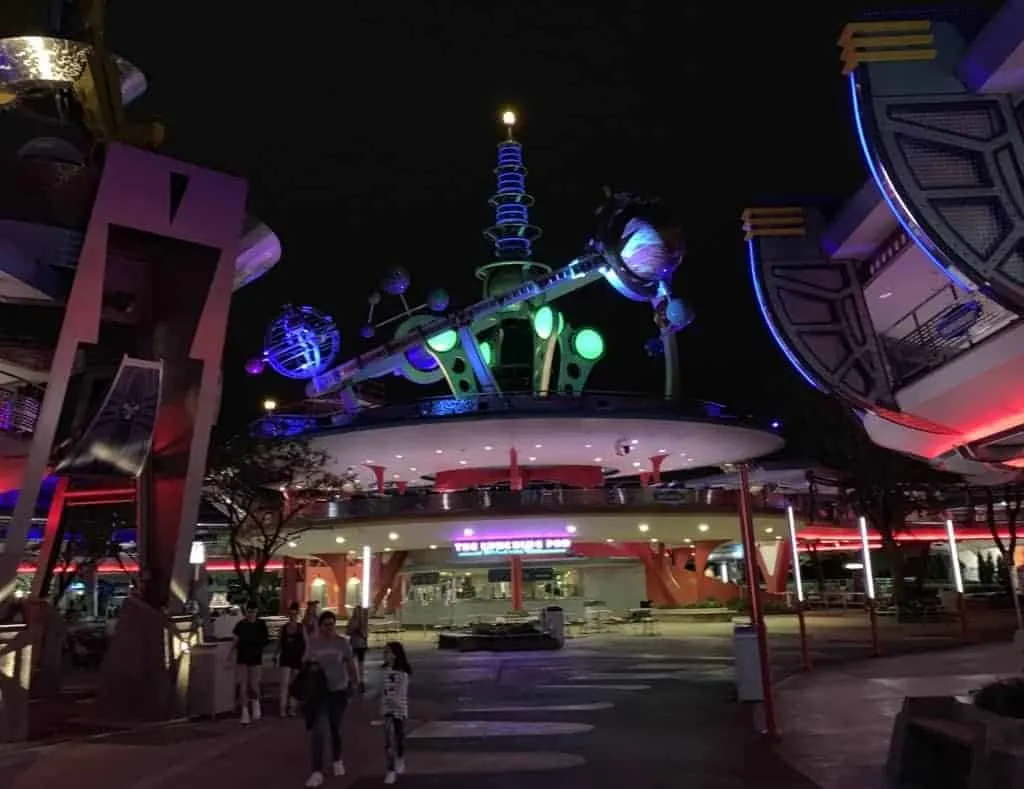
pixel 954 556
pixel 791 521
pixel 364 587
pixel 869 573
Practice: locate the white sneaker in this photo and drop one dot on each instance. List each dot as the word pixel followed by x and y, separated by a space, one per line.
pixel 339 767
pixel 400 765
pixel 316 779
pixel 257 712
pixel 389 778
pixel 245 715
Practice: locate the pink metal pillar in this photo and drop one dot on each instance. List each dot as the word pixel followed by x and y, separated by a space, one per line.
pixel 754 590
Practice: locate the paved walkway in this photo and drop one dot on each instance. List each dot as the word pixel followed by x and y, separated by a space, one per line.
pixel 837 722
pixel 626 712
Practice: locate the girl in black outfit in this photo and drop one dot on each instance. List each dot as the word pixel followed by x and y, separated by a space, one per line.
pixel 291 646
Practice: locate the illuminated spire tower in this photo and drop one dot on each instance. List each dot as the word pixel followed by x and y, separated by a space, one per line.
pixel 511 233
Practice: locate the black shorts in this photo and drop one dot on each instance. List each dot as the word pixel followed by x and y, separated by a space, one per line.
pixel 360 653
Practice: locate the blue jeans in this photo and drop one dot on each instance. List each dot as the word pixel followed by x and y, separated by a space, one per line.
pixel 323 718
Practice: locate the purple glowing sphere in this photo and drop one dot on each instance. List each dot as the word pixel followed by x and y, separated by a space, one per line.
pixel 395 281
pixel 255 366
pixel 437 300
pixel 648 255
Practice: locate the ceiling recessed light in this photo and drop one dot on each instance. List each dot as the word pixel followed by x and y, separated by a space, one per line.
pixel 635 441
pixel 609 540
pixel 531 458
pixel 571 529
pixel 885 295
pixel 463 462
pixel 396 476
pixel 643 527
pixel 662 451
pixel 598 460
pixel 689 460
pixel 393 536
pixel 293 544
pixel 778 536
pixel 438 451
pixel 398 457
pixel 412 468
pixel 682 454
pixel 654 539
pixel 433 547
pixel 702 527
pixel 467 532
pixel 387 548
pixel 339 540
pixel 687 540
pixel 587 446
pixel 488 448
pixel 368 462
pixel 769 530
pixel 636 464
pixel 538 446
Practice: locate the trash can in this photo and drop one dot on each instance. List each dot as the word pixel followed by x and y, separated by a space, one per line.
pixel 211 681
pixel 553 622
pixel 748 663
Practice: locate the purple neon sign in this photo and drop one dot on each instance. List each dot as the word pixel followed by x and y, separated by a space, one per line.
pixel 526 547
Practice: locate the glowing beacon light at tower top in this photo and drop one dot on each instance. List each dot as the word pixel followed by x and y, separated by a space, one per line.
pixel 511 233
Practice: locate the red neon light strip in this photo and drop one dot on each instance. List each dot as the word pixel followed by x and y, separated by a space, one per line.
pixel 113 568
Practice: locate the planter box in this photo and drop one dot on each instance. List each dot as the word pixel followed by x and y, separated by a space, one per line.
pixel 942 742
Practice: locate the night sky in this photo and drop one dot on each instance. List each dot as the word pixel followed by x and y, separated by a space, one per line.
pixel 367 132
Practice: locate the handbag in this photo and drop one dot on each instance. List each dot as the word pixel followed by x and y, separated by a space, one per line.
pixel 309 685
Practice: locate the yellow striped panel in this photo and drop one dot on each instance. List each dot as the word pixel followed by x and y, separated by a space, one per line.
pixel 886 42
pixel 777 222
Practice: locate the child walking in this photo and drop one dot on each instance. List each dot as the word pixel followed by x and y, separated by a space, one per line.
pixel 395 707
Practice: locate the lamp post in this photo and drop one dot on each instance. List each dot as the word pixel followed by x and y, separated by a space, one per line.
pixel 869 584
pixel 958 579
pixel 805 655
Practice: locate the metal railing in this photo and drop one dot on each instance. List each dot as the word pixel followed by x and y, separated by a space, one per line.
pixel 19 409
pixel 425 505
pixel 915 347
pixel 517 403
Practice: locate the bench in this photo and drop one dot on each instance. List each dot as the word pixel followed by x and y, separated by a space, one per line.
pixel 941 742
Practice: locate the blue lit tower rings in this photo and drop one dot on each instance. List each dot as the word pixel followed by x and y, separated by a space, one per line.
pixel 511 233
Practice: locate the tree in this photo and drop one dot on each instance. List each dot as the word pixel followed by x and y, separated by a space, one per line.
pixel 262 486
pixel 1012 499
pixel 88 540
pixel 884 486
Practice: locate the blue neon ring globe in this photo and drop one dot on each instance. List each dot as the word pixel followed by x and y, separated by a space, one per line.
pixel 302 342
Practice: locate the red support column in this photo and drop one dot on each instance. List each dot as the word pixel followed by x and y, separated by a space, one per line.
pixel 515 567
pixel 378 475
pixel 656 463
pixel 289 585
pixel 53 536
pixel 750 557
pixel 386 577
pixel 337 563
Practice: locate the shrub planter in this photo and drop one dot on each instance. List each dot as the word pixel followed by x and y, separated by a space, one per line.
pixel 942 742
pixel 497 638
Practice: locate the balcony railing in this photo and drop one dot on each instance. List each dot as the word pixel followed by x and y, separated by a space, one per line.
pixel 954 326
pixel 19 410
pixel 587 404
pixel 530 502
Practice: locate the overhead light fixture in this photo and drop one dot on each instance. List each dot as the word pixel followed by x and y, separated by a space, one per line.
pixel 570 529
pixel 769 530
pixel 702 527
pixel 662 451
pixel 587 446
pixel 467 532
pixel 644 527
pixel 398 457
pixel 339 540
pixel 688 541
pixel 538 446
pixel 636 464
pixel 654 539
pixel 598 460
pixel 609 539
pixel 433 547
pixel 393 536
pixel 531 458
pixel 396 476
pixel 293 544
pixel 438 451
pixel 412 468
pixel 488 448
pixel 885 295
pixel 635 441
pixel 463 462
